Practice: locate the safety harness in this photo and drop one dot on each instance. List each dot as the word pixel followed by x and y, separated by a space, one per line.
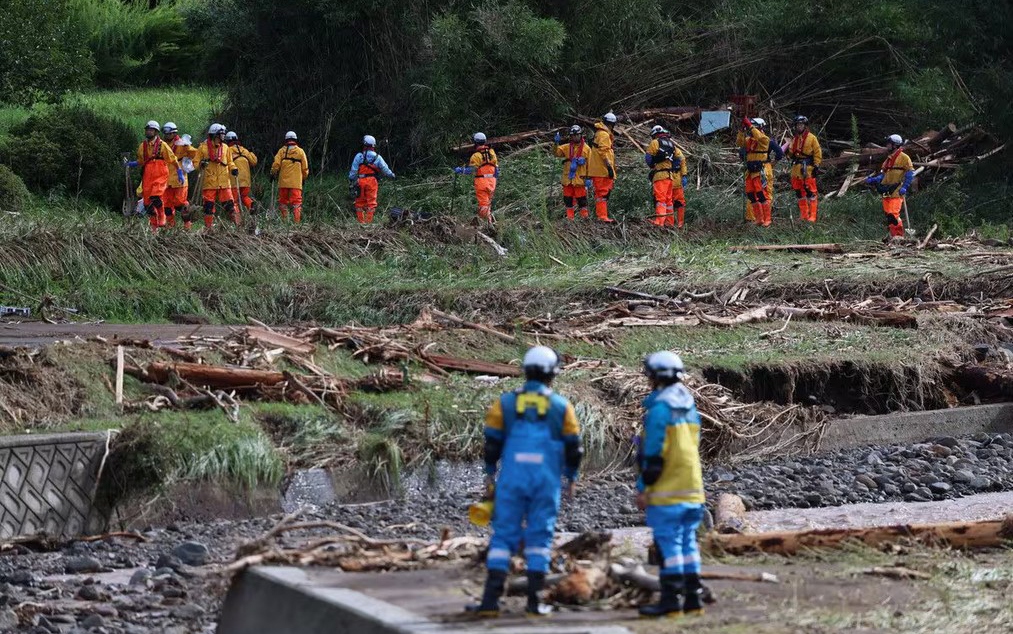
pixel 798 155
pixel 666 152
pixel 216 155
pixel 485 151
pixel 370 165
pixel 157 152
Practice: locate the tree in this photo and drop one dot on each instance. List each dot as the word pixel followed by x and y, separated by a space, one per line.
pixel 43 53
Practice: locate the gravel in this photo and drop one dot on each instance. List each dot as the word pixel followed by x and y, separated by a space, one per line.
pixel 939 469
pixel 120 586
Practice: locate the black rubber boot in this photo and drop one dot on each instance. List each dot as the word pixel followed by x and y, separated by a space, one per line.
pixel 489 607
pixel 536 582
pixel 670 604
pixel 694 595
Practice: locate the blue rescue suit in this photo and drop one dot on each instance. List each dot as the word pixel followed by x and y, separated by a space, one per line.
pixel 672 478
pixel 534 434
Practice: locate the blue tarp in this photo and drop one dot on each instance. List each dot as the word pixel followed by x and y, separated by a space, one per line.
pixel 714 120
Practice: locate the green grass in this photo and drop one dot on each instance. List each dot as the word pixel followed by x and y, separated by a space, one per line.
pixel 190 108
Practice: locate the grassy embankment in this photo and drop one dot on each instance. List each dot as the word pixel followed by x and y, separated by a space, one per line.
pixel 332 271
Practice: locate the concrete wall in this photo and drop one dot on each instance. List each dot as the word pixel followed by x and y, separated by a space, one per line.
pixel 48 484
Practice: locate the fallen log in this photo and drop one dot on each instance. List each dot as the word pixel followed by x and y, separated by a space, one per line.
pixel 962 535
pixel 472 366
pixel 637 576
pixel 272 339
pixel 865 317
pixel 211 375
pixel 729 514
pixel 468 324
pixel 799 248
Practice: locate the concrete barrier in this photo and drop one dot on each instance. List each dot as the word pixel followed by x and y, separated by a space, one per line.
pixel 270 600
pixel 48 484
pixel 918 426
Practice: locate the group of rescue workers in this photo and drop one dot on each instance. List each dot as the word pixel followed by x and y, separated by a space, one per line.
pixel 589 171
pixel 533 452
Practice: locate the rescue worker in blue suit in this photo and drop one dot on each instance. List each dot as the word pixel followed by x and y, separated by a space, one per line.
pixel 532 438
pixel 670 487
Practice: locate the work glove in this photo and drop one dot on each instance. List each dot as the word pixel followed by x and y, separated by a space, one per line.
pixel 131 163
pixel 684 181
pixel 902 191
pixel 180 174
pixel 817 170
pixel 581 160
pixel 353 189
pixel 204 163
pixel 234 172
pixel 558 138
pixel 495 172
pixel 272 176
pixel 589 184
pixel 459 170
pixel 611 172
pixel 746 123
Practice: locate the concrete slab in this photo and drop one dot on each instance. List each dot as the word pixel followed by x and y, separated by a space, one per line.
pixel 905 427
pixel 268 600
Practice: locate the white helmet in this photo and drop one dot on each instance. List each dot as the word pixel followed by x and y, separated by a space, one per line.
pixel 540 361
pixel 152 125
pixel 479 137
pixel 610 117
pixel 169 128
pixel 231 136
pixel 369 140
pixel 896 139
pixel 664 365
pixel 216 129
pixel 291 136
pixel 759 122
pixel 576 129
pixel 656 130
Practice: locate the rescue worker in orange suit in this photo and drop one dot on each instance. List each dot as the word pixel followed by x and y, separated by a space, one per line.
pixel 668 178
pixel 806 156
pixel 155 158
pixel 290 167
pixel 364 176
pixel 176 199
pixel 768 165
pixel 775 154
pixel 245 161
pixel 757 147
pixel 575 154
pixel 219 171
pixel 485 166
pixel 893 182
pixel 601 165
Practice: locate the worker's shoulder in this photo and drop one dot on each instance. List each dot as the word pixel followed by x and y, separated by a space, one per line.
pixel 560 402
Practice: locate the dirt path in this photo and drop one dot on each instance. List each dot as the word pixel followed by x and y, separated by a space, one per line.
pixel 35 334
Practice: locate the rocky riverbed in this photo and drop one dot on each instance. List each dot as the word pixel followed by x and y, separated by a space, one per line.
pixel 938 469
pixel 168 584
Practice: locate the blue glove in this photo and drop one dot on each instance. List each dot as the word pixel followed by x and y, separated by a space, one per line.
pixel 589 184
pixel 496 172
pixel 558 138
pixel 180 174
pixel 581 160
pixel 459 170
pixel 684 181
pixel 132 163
pixel 902 191
pixel 649 160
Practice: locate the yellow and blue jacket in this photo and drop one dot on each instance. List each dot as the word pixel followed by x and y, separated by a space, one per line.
pixel 532 431
pixel 670 470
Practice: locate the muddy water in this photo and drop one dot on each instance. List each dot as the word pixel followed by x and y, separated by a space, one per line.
pixel 985 506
